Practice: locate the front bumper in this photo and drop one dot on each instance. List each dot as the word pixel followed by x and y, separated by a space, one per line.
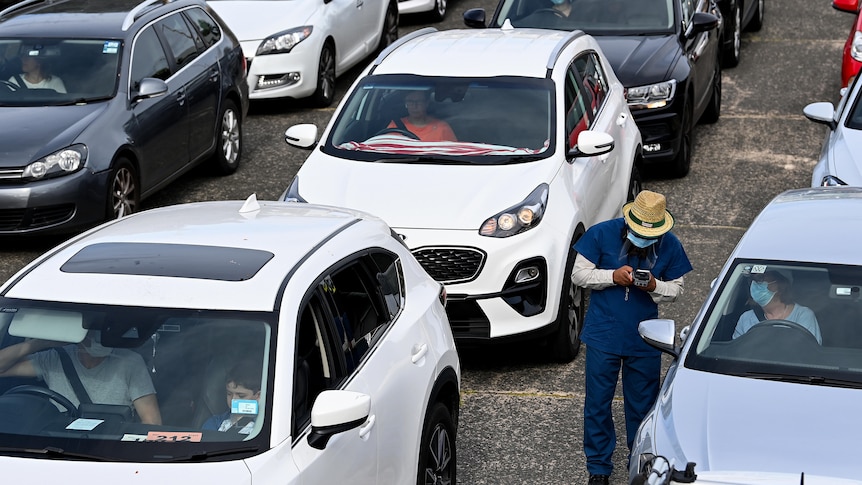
pixel 661 132
pixel 288 75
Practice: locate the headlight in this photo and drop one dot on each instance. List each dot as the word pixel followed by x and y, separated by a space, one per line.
pixel 292 192
pixel 63 162
pixel 283 42
pixel 831 181
pixel 651 96
pixel 518 218
pixel 856 46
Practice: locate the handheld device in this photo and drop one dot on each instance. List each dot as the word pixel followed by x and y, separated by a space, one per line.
pixel 641 277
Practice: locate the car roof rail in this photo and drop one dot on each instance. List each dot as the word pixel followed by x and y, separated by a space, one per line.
pixel 558 49
pixel 400 41
pixel 20 5
pixel 135 13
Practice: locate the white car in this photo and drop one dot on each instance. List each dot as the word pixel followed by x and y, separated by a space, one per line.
pixel 320 315
pixel 659 472
pixel 435 9
pixel 840 160
pixel 774 387
pixel 535 144
pixel 297 48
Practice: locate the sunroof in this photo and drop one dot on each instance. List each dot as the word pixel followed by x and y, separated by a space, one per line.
pixel 176 260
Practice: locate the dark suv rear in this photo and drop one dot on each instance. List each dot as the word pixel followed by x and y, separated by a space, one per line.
pixel 103 103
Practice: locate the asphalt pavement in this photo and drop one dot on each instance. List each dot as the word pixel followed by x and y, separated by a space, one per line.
pixel 521 420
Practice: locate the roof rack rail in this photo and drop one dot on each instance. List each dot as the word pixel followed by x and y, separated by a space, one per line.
pixel 565 41
pixel 133 14
pixel 400 41
pixel 19 5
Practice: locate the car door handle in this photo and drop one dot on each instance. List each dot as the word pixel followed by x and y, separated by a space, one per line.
pixel 366 428
pixel 621 119
pixel 214 75
pixel 181 97
pixel 419 351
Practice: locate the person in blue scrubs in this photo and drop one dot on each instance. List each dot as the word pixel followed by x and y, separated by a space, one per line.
pixel 609 253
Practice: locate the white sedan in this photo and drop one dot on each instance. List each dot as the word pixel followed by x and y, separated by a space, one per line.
pixel 297 48
pixel 840 160
pixel 228 342
pixel 490 152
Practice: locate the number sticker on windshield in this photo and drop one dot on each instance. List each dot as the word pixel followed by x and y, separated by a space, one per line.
pixel 172 437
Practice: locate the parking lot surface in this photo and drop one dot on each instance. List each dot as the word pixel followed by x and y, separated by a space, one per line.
pixel 521 419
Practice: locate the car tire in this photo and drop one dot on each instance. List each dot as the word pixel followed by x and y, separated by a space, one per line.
pixel 713 109
pixel 439 12
pixel 437 454
pixel 325 93
pixel 566 340
pixel 730 55
pixel 389 33
pixel 228 140
pixel 124 192
pixel 635 184
pixel 757 20
pixel 681 164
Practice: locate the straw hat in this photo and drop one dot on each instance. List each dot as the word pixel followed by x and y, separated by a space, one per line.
pixel 647 216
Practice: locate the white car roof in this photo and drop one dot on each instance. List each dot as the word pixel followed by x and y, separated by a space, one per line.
pixel 817 224
pixel 239 259
pixel 476 52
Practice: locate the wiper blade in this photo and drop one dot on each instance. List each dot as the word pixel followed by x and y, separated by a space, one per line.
pixel 427 160
pixel 204 455
pixel 84 101
pixel 52 452
pixel 813 380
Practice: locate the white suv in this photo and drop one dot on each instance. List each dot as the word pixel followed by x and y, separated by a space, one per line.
pixel 534 144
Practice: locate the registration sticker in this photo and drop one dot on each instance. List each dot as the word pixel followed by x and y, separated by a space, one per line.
pixel 174 437
pixel 243 406
pixel 758 269
pixel 83 424
pixel 110 47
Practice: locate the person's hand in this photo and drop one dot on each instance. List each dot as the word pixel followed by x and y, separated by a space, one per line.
pixel 649 287
pixel 623 276
pixel 37 344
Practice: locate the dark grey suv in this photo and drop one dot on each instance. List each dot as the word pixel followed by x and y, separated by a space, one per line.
pixel 104 102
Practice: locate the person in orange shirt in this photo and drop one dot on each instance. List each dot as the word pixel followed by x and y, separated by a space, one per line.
pixel 420 123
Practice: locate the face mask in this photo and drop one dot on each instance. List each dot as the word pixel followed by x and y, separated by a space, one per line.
pixel 760 292
pixel 640 242
pixel 96 349
pixel 558 2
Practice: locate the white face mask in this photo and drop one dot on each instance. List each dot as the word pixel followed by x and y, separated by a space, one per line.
pixel 96 349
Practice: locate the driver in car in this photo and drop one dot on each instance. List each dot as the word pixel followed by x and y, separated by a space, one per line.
pixel 109 375
pixel 419 122
pixel 771 292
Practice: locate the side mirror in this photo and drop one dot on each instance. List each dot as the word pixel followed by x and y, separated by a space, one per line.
pixel 703 22
pixel 822 112
pixel 475 18
pixel 849 6
pixel 150 87
pixel 336 412
pixel 301 136
pixel 592 143
pixel 660 333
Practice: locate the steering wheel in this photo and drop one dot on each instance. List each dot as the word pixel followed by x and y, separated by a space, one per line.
pixel 784 324
pixel 548 10
pixel 399 131
pixel 9 85
pixel 48 394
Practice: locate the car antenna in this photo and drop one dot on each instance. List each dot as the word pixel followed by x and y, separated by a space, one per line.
pixel 250 205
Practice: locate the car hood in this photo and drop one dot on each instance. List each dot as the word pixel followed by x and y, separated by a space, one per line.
pixel 32 132
pixel 423 196
pixel 846 162
pixel 30 471
pixel 257 20
pixel 640 60
pixel 736 423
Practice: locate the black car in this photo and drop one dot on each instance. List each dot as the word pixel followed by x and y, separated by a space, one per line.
pixel 104 102
pixel 667 53
pixel 739 16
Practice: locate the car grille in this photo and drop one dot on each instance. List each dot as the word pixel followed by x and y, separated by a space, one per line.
pixel 11 174
pixel 451 265
pixel 23 219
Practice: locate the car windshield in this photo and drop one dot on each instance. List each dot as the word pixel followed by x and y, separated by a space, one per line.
pixel 57 71
pixel 781 320
pixel 405 118
pixel 596 17
pixel 84 380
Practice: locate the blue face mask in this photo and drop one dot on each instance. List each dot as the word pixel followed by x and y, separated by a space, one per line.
pixel 761 293
pixel 640 242
pixel 558 2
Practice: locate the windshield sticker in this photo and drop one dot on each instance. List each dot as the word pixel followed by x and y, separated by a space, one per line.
pixel 134 437
pixel 243 406
pixel 758 269
pixel 174 437
pixel 110 47
pixel 83 424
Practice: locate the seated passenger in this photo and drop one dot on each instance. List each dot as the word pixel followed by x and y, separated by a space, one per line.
pixel 36 73
pixel 242 390
pixel 770 291
pixel 419 122
pixel 108 375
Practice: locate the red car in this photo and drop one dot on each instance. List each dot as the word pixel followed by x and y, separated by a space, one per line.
pixel 852 58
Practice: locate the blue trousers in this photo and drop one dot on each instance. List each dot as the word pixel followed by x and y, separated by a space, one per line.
pixel 641 376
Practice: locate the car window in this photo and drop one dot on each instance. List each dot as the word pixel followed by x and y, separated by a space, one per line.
pixel 376 121
pixel 778 318
pixel 597 17
pixel 207 28
pixel 179 38
pixel 579 106
pixel 148 59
